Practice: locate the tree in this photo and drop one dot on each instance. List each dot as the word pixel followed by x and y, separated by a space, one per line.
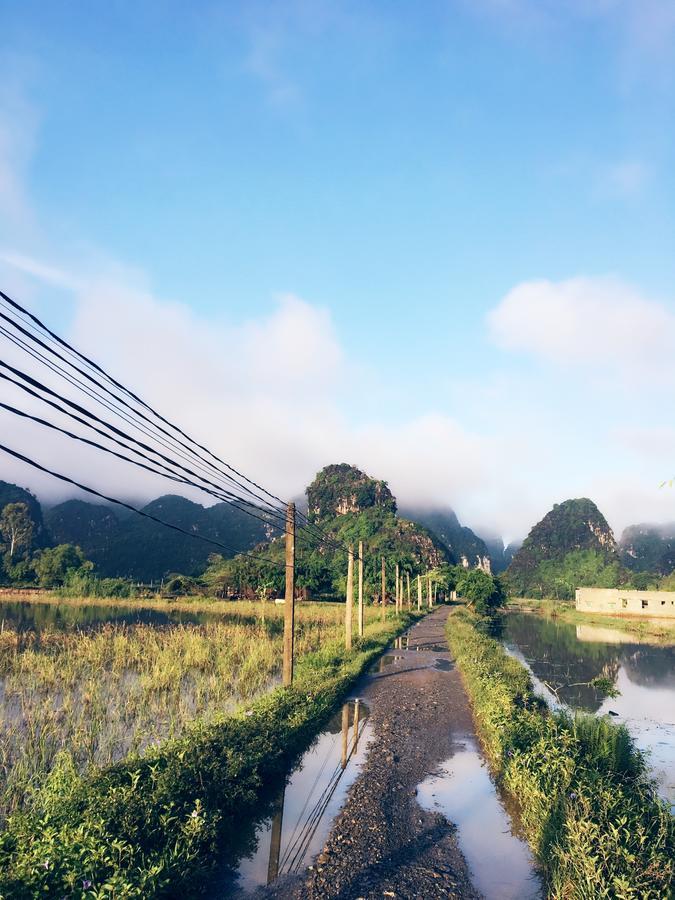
pixel 53 564
pixel 16 528
pixel 483 591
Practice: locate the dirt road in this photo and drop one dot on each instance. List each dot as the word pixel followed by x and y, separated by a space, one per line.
pixel 383 844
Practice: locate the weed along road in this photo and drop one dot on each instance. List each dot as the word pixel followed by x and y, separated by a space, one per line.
pixel 383 843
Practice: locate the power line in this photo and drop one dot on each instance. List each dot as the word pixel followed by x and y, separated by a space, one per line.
pixel 117 384
pixel 313 530
pixel 42 387
pixel 95 493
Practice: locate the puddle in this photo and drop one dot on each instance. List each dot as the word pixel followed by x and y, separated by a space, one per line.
pixel 288 841
pixel 389 659
pixel 445 665
pixel 501 864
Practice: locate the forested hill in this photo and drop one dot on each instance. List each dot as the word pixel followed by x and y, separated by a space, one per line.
pixel 122 543
pixel 349 506
pixel 129 545
pixel 571 546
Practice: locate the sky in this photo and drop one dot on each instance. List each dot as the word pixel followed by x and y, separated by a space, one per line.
pixel 433 240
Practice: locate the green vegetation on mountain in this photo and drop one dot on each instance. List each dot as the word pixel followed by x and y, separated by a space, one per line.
pixel 572 546
pixel 340 488
pixel 351 507
pixel 138 548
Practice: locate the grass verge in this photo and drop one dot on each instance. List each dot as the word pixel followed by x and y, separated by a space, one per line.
pixel 592 817
pixel 153 825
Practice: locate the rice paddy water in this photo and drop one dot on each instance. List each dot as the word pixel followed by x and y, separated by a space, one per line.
pixel 97 681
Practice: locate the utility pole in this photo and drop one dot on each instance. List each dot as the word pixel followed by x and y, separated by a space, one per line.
pixel 407 576
pixel 360 590
pixel 398 590
pixel 419 593
pixel 345 734
pixel 349 602
pixel 384 588
pixel 289 603
pixel 429 590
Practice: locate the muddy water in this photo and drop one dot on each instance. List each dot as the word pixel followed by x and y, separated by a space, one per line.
pixel 286 842
pixel 22 615
pixel 501 864
pixel 564 659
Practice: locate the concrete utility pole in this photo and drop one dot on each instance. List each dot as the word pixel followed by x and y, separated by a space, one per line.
pixel 360 590
pixel 429 590
pixel 419 593
pixel 384 588
pixel 349 602
pixel 289 603
pixel 407 576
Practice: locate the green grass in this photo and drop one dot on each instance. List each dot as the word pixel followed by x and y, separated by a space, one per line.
pixel 592 817
pixel 153 824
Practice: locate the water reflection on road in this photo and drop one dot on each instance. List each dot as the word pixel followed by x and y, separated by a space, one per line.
pixel 566 658
pixel 501 864
pixel 288 840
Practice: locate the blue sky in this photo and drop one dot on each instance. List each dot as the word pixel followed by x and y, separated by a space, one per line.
pixel 455 195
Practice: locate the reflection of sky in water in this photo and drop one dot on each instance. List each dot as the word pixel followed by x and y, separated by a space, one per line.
pixel 313 797
pixel 562 654
pixel 649 714
pixel 500 862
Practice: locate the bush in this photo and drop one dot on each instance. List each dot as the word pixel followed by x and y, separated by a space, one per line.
pixel 484 592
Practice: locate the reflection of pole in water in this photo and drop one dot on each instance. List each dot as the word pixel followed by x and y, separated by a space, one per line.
pixel 345 734
pixel 275 839
pixel 356 725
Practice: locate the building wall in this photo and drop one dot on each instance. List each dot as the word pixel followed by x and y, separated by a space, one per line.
pixel 652 604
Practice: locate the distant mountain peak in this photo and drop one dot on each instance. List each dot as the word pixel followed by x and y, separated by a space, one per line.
pixel 341 488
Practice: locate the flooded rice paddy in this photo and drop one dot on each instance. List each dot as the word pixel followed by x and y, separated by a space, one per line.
pixel 88 684
pixel 565 658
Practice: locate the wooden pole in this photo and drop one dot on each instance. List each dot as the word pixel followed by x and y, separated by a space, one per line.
pixel 289 603
pixel 275 839
pixel 429 590
pixel 349 601
pixel 384 588
pixel 345 734
pixel 419 593
pixel 398 589
pixel 407 577
pixel 360 590
pixel 356 724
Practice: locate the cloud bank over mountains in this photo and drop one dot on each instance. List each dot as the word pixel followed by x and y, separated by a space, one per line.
pixel 275 395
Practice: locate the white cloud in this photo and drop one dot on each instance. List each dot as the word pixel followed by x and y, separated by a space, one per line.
pixel 600 324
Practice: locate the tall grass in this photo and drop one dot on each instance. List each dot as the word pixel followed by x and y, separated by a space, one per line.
pixel 590 814
pixel 98 695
